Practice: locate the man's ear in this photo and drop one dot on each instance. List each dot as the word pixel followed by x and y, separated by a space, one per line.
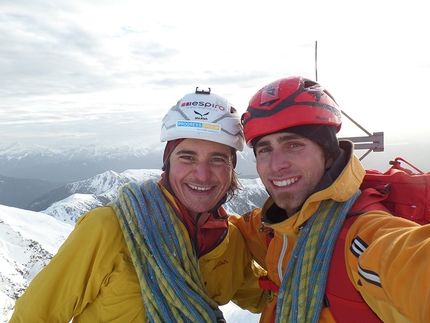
pixel 329 162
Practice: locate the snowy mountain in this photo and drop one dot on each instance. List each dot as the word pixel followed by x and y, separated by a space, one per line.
pixel 27 242
pixel 74 199
pixel 29 239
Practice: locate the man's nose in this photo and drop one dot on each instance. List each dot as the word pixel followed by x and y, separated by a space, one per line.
pixel 279 160
pixel 202 171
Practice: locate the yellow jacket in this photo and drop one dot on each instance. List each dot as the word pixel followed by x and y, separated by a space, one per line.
pixel 92 277
pixel 395 253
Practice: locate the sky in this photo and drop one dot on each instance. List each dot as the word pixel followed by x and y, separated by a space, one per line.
pixel 84 71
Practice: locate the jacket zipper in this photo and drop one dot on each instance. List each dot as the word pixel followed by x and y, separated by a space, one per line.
pixel 282 255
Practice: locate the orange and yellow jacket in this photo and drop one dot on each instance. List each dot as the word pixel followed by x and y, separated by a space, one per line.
pixel 392 273
pixel 92 277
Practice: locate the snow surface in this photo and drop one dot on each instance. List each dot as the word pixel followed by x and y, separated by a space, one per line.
pixel 28 240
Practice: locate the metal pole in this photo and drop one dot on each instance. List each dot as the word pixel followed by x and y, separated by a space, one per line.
pixel 376 140
pixel 316 62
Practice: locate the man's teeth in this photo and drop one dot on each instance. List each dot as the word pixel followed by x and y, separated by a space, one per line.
pixel 199 188
pixel 286 182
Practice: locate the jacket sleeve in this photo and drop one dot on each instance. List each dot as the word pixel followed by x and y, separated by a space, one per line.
pixel 74 276
pixel 388 261
pixel 248 295
pixel 249 224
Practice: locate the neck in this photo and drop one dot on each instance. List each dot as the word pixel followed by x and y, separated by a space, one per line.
pixel 199 218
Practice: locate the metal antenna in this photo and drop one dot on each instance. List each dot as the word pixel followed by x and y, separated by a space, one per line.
pixel 316 61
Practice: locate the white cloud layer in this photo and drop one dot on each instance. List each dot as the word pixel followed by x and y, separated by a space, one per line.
pixel 74 71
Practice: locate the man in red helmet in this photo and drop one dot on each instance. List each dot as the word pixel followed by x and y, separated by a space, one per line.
pixel 313 181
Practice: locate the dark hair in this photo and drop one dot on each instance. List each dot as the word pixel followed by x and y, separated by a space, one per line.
pixel 235 186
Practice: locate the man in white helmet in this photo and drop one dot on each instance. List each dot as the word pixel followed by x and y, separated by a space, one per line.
pixel 161 252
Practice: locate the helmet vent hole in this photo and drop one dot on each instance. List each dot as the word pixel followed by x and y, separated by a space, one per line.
pixel 309 83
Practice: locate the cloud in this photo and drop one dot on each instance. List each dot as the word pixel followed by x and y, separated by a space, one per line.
pixel 104 68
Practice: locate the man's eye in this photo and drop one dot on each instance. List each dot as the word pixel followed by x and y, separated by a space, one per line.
pixel 186 158
pixel 296 145
pixel 262 150
pixel 219 160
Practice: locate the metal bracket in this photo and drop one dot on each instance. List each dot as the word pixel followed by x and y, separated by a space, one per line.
pixel 371 142
pixel 203 91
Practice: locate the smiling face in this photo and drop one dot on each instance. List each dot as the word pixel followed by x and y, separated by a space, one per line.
pixel 200 174
pixel 290 166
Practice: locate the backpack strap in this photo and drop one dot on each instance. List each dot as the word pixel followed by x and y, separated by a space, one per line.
pixel 264 281
pixel 343 300
pixel 370 199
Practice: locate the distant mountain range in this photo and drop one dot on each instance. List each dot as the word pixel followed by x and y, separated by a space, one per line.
pixel 28 173
pixel 74 163
pixel 81 162
pixel 20 192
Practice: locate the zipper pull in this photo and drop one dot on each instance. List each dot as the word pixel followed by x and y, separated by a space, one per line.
pixel 301 226
pixel 262 229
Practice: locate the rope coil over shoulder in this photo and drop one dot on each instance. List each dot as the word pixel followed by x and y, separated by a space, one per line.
pixel 168 271
pixel 303 285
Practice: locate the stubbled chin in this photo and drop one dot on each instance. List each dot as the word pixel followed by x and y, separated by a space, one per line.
pixel 201 204
pixel 283 199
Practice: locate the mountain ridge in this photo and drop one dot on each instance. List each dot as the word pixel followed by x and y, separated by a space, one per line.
pixel 71 201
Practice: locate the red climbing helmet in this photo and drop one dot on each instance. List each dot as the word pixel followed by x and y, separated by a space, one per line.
pixel 289 102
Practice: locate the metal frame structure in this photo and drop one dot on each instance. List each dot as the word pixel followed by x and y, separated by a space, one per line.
pixel 371 142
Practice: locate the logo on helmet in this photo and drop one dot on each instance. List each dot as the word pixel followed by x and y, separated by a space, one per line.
pixel 201 116
pixel 271 90
pixel 202 104
pixel 199 126
pixel 323 118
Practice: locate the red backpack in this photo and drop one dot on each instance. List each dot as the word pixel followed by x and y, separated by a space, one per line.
pixel 400 191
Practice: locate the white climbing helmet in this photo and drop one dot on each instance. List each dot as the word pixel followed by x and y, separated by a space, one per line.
pixel 203 115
